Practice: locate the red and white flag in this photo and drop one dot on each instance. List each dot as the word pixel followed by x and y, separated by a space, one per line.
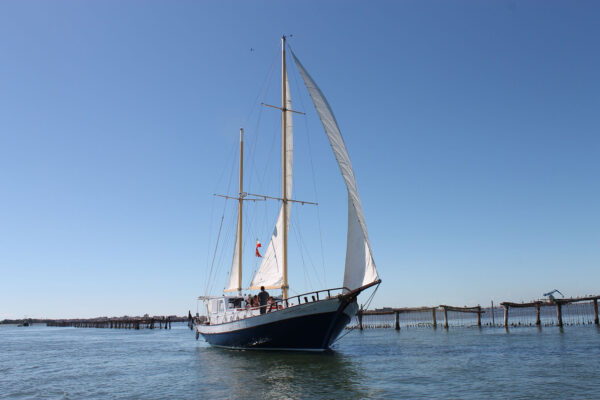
pixel 257 246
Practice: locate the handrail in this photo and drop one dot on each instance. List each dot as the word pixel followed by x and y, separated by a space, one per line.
pixel 315 292
pixel 277 303
pixel 299 297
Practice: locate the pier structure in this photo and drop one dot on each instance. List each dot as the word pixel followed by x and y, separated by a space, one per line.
pixel 555 312
pixel 156 322
pixel 558 304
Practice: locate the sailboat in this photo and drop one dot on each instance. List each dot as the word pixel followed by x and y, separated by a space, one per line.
pixel 306 322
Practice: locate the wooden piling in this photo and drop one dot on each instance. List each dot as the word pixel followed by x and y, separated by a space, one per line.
pixel 596 311
pixel 479 316
pixel 506 316
pixel 492 310
pixel 397 322
pixel 445 318
pixel 538 321
pixel 559 313
pixel 360 324
pixel 433 311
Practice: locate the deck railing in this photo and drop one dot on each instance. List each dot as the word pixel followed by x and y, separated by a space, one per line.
pixel 275 305
pixel 308 297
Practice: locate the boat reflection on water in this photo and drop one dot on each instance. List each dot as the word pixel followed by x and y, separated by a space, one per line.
pixel 281 375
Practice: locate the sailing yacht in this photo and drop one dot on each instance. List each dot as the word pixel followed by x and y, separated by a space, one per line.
pixel 306 322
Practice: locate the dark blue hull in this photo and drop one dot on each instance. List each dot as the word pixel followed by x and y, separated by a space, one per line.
pixel 314 332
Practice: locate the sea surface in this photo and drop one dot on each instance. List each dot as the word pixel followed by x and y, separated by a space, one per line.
pixel 40 362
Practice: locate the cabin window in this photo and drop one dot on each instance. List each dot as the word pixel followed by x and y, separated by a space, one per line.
pixel 235 303
pixel 221 306
pixel 212 306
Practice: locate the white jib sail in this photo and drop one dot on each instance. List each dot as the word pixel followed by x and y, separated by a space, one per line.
pixel 360 266
pixel 270 273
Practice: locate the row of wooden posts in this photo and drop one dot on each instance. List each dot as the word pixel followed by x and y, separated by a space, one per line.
pixel 558 303
pixel 116 323
pixel 433 310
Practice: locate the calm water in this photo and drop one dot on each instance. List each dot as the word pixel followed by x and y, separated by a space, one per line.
pixel 468 363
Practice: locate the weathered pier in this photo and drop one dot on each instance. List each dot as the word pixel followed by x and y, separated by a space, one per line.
pixel 419 316
pixel 553 312
pixel 556 303
pixel 156 322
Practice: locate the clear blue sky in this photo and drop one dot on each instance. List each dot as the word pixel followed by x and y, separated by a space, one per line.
pixel 472 125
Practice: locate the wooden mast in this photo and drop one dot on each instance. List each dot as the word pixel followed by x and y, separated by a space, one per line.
pixel 240 207
pixel 284 286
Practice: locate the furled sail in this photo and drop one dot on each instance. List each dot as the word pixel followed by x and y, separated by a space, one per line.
pixel 270 273
pixel 360 266
pixel 235 269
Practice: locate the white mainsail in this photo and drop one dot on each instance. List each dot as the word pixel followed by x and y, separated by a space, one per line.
pixel 235 269
pixel 270 273
pixel 360 266
pixel 235 276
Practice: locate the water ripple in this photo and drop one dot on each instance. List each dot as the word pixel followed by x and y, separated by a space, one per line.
pixel 68 363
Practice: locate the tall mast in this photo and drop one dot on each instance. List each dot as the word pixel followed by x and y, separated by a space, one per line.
pixel 285 286
pixel 240 207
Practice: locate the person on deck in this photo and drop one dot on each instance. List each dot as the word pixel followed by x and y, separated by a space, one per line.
pixel 263 297
pixel 271 304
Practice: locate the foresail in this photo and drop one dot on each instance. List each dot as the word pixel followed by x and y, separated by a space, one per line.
pixel 360 266
pixel 234 274
pixel 270 273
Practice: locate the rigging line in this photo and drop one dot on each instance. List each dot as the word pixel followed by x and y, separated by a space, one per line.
pixel 231 174
pixel 210 278
pixel 255 224
pixel 232 156
pixel 214 255
pixel 269 157
pixel 254 141
pixel 305 247
pixel 264 229
pixel 250 229
pixel 264 88
pixel 312 169
pixel 208 247
pixel 368 302
pixel 225 239
pixel 310 259
pixel 230 232
pixel 223 213
pixel 339 338
pixel 252 275
pixel 264 93
pixel 267 86
pixel 212 213
pixel 306 277
pixel 219 264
